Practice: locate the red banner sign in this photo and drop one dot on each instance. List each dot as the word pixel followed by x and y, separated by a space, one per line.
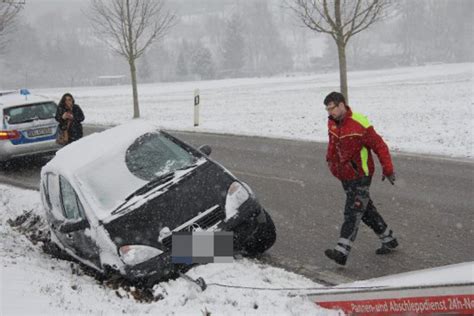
pixel 455 304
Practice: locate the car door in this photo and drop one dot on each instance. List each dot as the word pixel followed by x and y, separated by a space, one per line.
pixel 51 201
pixel 79 241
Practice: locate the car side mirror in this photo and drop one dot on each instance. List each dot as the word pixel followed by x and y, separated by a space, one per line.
pixel 206 150
pixel 73 226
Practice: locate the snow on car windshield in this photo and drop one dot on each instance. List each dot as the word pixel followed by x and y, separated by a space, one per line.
pixel 153 155
pixel 107 181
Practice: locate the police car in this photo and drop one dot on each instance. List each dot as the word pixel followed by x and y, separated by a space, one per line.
pixel 28 126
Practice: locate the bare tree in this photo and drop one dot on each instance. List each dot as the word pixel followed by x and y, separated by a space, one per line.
pixel 129 27
pixel 9 9
pixel 341 19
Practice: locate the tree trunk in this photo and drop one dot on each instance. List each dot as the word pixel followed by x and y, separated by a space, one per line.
pixel 131 61
pixel 133 73
pixel 341 50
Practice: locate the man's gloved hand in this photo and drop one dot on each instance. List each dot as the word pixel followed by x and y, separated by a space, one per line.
pixel 390 178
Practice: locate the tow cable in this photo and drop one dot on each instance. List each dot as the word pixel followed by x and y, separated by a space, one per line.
pixel 203 286
pixel 335 290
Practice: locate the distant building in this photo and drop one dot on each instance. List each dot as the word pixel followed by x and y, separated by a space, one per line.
pixel 111 80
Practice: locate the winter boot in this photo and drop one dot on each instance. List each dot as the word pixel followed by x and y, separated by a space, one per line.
pixel 387 247
pixel 337 256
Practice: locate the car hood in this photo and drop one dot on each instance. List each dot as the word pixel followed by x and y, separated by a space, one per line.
pixel 203 190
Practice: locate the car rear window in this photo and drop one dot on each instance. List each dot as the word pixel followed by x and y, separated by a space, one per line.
pixel 154 154
pixel 30 112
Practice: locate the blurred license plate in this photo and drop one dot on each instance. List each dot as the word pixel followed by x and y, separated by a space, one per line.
pixel 39 132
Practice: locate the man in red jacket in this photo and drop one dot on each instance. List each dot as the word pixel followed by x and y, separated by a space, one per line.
pixel 349 157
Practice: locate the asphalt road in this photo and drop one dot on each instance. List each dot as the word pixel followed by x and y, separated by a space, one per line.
pixel 430 208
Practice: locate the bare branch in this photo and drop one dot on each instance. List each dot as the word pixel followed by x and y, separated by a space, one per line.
pixel 305 10
pixel 9 10
pixel 342 19
pixel 345 19
pixel 129 27
pixel 354 16
pixel 372 14
pixel 328 15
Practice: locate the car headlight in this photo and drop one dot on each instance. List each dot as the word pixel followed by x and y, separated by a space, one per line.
pixel 135 254
pixel 236 196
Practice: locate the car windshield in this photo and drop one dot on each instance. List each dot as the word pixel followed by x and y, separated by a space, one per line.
pixel 109 180
pixel 30 112
pixel 153 155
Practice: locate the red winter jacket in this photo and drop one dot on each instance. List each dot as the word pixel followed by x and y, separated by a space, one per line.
pixel 350 143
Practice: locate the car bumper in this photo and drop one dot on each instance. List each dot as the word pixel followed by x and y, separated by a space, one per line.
pixel 153 270
pixel 244 224
pixel 9 151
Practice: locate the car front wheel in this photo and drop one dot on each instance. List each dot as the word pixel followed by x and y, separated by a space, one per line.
pixel 263 237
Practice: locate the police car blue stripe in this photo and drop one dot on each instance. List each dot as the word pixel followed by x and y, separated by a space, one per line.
pixel 23 140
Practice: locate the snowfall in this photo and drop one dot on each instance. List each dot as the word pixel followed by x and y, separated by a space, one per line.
pixel 425 110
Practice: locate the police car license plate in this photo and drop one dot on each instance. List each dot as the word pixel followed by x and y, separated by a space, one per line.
pixel 39 132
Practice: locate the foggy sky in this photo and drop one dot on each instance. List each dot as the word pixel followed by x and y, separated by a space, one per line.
pixel 422 31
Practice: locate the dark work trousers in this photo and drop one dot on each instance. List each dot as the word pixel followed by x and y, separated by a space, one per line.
pixel 359 207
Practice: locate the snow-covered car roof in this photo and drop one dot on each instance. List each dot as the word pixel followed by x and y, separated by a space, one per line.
pixel 108 143
pixel 96 165
pixel 14 98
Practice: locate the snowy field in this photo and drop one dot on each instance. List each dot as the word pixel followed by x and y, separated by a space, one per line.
pixel 33 283
pixel 427 109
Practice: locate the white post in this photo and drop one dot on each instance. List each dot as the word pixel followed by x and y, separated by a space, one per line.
pixel 196 107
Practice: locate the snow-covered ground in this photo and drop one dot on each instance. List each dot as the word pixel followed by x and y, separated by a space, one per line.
pixel 427 109
pixel 422 109
pixel 33 283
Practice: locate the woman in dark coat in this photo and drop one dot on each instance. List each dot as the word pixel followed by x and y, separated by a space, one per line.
pixel 69 113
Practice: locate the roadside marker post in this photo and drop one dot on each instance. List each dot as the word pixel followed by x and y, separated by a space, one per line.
pixel 196 107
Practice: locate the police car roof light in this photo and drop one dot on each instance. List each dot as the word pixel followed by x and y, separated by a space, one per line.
pixel 24 92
